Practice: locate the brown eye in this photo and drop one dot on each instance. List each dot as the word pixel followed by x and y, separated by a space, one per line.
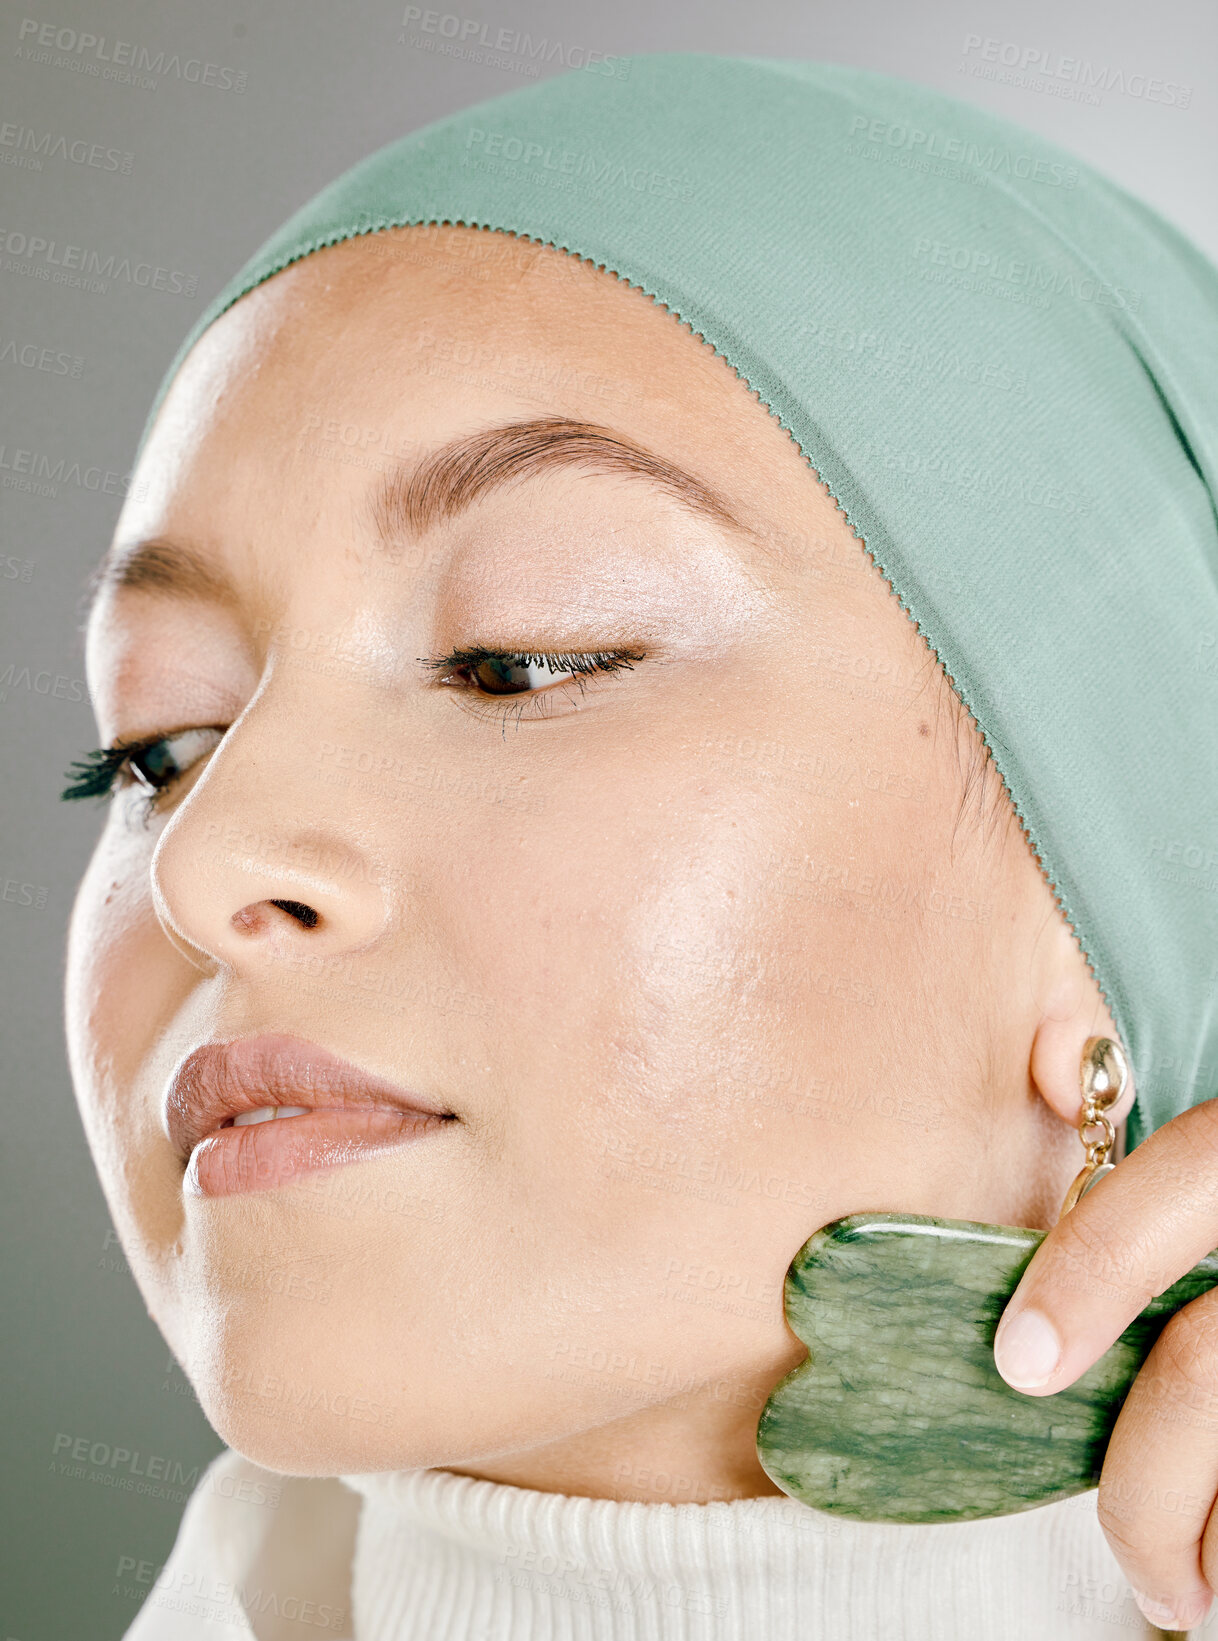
pixel 512 674
pixel 497 674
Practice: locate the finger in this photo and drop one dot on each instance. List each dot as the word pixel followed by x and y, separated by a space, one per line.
pixel 1160 1473
pixel 1135 1233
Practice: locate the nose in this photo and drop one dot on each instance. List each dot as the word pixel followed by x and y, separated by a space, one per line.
pixel 261 863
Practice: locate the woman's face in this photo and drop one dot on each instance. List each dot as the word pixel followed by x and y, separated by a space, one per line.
pixel 687 958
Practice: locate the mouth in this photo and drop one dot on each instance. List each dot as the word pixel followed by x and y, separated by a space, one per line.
pixel 256 1113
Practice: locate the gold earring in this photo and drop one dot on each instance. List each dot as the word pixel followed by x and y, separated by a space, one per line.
pixel 1103 1074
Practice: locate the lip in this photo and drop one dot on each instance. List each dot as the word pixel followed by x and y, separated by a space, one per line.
pixel 351 1114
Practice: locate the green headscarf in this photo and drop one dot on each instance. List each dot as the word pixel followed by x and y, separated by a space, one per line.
pixel 1005 369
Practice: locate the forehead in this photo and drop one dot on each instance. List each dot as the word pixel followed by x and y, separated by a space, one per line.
pixel 371 345
pixel 324 394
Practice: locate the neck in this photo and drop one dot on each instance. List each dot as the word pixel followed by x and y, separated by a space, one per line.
pixel 693 1451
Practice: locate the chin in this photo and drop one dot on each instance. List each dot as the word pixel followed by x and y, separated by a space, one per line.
pixel 287 1423
pixel 301 1401
pixel 309 1407
pixel 309 1443
pixel 303 1441
pixel 285 1388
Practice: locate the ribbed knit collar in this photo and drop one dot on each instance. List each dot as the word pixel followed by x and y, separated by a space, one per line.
pixel 441 1557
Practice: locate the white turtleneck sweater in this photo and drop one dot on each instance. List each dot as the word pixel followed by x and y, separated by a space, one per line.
pixel 426 1555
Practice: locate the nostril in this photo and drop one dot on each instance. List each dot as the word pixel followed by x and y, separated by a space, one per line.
pixel 304 915
pixel 252 919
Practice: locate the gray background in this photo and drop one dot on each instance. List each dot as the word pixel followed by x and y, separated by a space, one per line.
pixel 211 173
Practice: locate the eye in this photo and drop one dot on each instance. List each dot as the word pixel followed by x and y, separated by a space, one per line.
pixel 153 764
pixel 498 674
pixel 513 675
pixel 157 766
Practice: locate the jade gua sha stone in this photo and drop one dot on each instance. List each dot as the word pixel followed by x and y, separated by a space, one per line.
pixel 899 1413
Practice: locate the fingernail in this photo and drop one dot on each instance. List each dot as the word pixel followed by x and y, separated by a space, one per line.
pixel 1160 1613
pixel 1182 1614
pixel 1027 1350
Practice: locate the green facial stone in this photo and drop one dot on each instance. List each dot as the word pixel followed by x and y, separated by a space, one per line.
pixel 899 1413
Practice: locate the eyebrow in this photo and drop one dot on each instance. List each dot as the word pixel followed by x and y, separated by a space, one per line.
pixel 158 565
pixel 417 496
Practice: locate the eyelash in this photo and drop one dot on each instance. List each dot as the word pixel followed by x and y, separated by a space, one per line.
pixel 101 772
pixel 582 664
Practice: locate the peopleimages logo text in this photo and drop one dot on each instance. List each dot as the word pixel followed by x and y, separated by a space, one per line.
pixel 99 48
pixel 1000 270
pixel 471 34
pixel 988 157
pixel 48 254
pixel 544 161
pixel 1052 65
pixel 49 145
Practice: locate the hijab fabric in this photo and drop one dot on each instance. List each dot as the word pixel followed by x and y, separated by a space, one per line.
pixel 1004 367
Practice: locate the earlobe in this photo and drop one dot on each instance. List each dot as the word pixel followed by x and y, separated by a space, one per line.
pixel 1057 1050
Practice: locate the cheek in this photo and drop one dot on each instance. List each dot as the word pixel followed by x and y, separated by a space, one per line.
pixel 657 1022
pixel 621 928
pixel 692 956
pixel 125 982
